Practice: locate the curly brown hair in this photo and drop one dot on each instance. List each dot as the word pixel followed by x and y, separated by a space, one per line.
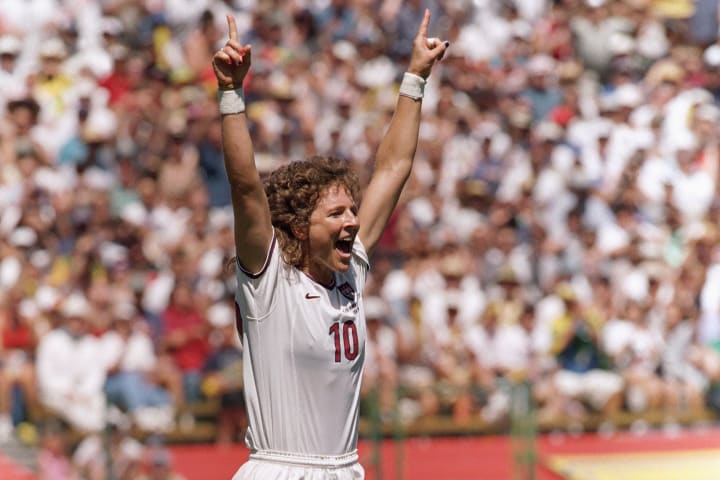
pixel 293 191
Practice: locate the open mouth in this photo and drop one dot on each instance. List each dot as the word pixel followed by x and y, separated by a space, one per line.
pixel 344 246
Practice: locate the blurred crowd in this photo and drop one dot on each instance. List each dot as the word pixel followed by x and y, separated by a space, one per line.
pixel 560 226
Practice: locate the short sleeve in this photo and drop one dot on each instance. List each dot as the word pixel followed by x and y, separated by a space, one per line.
pixel 255 291
pixel 360 262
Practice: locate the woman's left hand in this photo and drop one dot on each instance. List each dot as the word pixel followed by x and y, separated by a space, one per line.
pixel 426 51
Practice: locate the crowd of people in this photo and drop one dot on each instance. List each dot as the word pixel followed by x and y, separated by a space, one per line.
pixel 561 224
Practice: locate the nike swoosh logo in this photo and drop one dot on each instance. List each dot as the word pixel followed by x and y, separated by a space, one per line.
pixel 310 297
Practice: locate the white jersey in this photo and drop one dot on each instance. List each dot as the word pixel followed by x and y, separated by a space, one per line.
pixel 304 351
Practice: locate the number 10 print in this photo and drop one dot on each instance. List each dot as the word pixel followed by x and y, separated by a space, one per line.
pixel 349 340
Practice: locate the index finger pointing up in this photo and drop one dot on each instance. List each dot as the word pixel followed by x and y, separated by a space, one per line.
pixel 422 31
pixel 232 27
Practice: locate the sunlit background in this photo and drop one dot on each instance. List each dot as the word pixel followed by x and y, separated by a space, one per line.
pixel 545 303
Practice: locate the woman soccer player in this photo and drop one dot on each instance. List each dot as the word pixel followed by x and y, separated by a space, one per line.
pixel 302 258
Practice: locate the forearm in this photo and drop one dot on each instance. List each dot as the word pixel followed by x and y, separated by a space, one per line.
pixel 397 149
pixel 238 154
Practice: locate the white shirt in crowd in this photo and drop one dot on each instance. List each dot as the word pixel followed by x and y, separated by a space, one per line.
pixel 71 376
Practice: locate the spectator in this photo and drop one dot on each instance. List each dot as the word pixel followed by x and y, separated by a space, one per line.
pixel 450 355
pixel 222 375
pixel 53 459
pixel 636 350
pixel 685 380
pixel 380 377
pixel 541 93
pixel 70 369
pixel 132 382
pixel 120 457
pixel 185 333
pixel 592 30
pixel 20 133
pixel 12 73
pixel 17 355
pixel 584 378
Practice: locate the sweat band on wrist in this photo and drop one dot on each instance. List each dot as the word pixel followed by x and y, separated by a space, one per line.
pixel 412 86
pixel 231 101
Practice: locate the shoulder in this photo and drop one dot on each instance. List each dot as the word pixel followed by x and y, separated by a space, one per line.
pixel 360 254
pixel 273 261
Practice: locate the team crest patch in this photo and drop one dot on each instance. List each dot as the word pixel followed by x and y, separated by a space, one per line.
pixel 347 291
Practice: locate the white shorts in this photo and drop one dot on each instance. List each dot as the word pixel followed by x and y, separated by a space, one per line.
pixel 595 387
pixel 288 466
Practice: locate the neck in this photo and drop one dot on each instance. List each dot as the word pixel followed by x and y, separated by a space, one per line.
pixel 320 274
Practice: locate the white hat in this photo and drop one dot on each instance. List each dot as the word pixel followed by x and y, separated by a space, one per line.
pixel 46 297
pixel 548 131
pixel 75 305
pixel 628 95
pixel 10 270
pixel 521 29
pixel 55 180
pixel 540 65
pixel 344 50
pixel 101 124
pixel 635 285
pixel 607 102
pixel 603 128
pixel 111 26
pixel 621 44
pixel 40 259
pixel 220 315
pixel 9 219
pixel 9 45
pixel 112 253
pixel 28 309
pixel 711 56
pixel 98 179
pixel 486 130
pixel 23 237
pixel 134 213
pixel 53 48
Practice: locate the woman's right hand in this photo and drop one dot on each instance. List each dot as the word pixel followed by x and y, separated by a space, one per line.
pixel 232 62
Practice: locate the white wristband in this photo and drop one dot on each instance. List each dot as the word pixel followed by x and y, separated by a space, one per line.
pixel 231 101
pixel 412 86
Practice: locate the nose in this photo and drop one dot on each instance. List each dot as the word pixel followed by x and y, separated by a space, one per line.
pixel 350 219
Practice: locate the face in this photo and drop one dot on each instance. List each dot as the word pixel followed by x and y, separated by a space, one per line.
pixel 183 297
pixel 333 227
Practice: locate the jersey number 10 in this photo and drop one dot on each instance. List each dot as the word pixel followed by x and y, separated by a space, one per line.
pixel 349 340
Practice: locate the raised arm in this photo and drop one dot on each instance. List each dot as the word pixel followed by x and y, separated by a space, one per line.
pixel 397 149
pixel 253 228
